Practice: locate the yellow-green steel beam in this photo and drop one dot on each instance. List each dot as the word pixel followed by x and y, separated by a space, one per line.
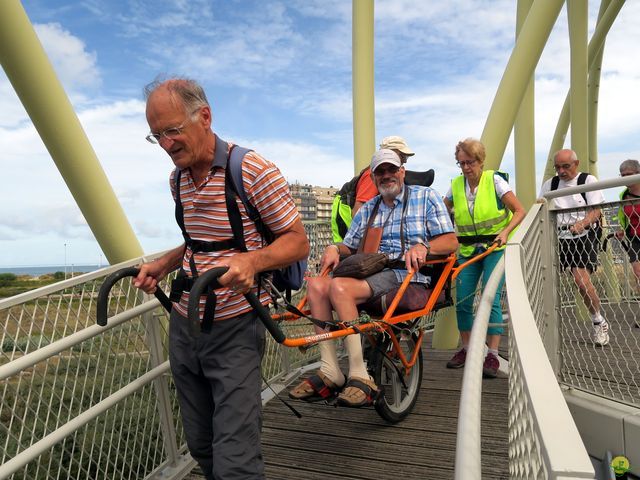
pixel 364 127
pixel 524 58
pixel 592 107
pixel 595 69
pixel 524 129
pixel 34 80
pixel 596 44
pixel 577 13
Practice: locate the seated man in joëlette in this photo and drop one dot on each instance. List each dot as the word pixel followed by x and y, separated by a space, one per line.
pixel 413 222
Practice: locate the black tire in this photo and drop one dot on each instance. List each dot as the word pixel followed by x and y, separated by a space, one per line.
pixel 397 399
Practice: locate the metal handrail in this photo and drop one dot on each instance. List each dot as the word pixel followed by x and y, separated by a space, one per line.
pixel 35 450
pixel 468 457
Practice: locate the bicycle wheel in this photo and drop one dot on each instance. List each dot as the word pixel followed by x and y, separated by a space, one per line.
pixel 400 390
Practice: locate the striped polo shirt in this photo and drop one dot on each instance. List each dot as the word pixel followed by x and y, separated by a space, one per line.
pixel 206 219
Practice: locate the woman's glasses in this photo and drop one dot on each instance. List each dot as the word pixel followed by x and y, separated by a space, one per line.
pixel 466 163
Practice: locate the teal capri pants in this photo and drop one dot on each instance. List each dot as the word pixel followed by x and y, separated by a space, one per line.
pixel 466 284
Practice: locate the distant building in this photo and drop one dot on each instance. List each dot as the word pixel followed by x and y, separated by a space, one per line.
pixel 305 200
pixel 324 200
pixel 313 202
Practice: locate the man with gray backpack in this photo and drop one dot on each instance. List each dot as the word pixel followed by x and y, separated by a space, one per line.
pixel 235 210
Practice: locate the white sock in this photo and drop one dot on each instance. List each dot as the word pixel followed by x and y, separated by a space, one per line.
pixel 329 362
pixel 596 318
pixel 495 352
pixel 353 345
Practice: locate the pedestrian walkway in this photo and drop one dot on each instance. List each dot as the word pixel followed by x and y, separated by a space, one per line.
pixel 342 443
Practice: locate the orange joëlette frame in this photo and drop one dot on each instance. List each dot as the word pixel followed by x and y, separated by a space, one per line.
pixel 384 323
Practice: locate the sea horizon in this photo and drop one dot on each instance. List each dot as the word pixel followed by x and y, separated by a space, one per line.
pixel 37 270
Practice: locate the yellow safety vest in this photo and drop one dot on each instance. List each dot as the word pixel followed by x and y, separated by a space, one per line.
pixel 490 216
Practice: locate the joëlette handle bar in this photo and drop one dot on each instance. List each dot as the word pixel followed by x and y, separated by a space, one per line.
pixel 107 285
pixel 209 280
pixel 480 256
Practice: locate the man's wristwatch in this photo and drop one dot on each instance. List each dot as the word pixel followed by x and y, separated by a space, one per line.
pixel 335 245
pixel 427 246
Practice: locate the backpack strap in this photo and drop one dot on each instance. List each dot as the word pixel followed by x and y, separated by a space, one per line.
pixel 197 245
pixel 179 211
pixel 582 178
pixel 505 177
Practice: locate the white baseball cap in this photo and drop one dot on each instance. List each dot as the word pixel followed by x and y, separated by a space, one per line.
pixel 384 155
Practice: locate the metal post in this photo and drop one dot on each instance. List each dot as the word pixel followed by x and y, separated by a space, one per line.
pixel 595 45
pixel 595 67
pixel 34 80
pixel 524 129
pixel 577 13
pixel 524 58
pixel 153 339
pixel 364 128
pixel 548 245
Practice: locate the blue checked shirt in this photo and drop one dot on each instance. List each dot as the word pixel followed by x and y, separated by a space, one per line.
pixel 426 217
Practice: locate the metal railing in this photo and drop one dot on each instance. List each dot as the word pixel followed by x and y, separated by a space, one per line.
pixel 552 352
pixel 544 442
pixel 82 401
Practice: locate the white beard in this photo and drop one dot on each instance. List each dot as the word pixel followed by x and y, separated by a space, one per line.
pixel 390 190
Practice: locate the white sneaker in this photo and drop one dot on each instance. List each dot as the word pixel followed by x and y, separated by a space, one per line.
pixel 601 334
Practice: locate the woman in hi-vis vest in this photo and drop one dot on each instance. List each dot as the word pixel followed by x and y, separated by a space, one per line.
pixel 485 210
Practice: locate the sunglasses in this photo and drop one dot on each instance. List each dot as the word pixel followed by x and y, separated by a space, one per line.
pixel 382 170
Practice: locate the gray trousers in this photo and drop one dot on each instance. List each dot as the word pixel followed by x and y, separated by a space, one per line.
pixel 217 377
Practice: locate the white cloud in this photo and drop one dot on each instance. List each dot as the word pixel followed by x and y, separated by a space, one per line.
pixel 74 65
pixel 438 65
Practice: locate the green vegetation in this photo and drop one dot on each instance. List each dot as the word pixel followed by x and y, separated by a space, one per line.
pixel 11 284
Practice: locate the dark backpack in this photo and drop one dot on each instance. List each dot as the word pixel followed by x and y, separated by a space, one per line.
pixel 582 178
pixel 345 196
pixel 284 279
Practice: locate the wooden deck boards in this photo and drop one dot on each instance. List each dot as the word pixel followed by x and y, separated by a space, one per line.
pixel 335 443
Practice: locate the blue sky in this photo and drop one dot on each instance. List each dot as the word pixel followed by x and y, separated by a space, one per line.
pixel 278 76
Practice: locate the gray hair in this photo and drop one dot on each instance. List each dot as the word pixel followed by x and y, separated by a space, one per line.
pixel 630 164
pixel 574 157
pixel 188 91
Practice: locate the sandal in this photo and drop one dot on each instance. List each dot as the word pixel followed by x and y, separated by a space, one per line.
pixel 316 387
pixel 358 392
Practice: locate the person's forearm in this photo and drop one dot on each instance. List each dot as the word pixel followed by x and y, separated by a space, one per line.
pixel 443 244
pixel 517 217
pixel 171 260
pixel 592 216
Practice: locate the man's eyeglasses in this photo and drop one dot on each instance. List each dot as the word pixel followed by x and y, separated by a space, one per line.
pixel 564 166
pixel 467 163
pixel 169 133
pixel 392 169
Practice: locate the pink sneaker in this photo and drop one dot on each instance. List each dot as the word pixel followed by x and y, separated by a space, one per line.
pixel 457 361
pixel 490 366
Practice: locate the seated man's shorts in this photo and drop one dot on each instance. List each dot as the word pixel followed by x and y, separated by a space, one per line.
pixel 382 282
pixel 579 252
